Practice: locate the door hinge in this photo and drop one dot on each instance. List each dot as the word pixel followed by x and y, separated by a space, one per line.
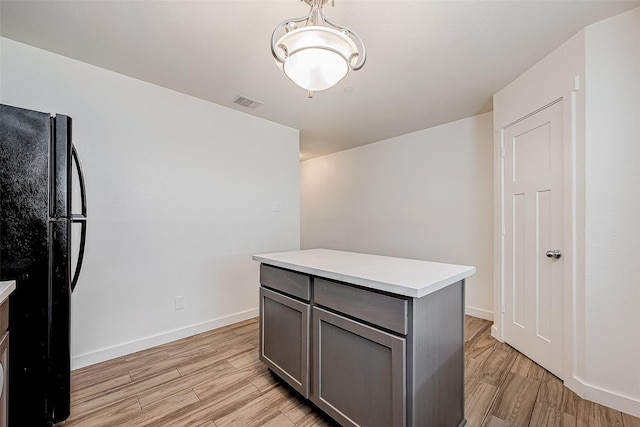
pixel 502 152
pixel 504 230
pixel 503 308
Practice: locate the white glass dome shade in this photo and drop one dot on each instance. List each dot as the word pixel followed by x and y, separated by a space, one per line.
pixel 315 58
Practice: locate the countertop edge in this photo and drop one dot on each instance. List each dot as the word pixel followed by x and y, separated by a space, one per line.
pixel 6 288
pixel 368 283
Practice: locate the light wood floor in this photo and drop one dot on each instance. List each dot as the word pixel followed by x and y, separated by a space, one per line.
pixel 215 379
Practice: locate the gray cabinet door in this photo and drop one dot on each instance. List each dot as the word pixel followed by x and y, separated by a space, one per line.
pixel 358 372
pixel 284 338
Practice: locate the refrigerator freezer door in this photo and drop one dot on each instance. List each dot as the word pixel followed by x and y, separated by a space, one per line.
pixel 24 190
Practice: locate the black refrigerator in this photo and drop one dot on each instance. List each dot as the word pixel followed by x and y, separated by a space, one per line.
pixel 37 161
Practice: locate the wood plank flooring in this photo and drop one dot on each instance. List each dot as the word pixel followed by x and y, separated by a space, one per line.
pixel 215 379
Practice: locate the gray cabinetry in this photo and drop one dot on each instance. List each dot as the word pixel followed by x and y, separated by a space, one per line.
pixel 359 372
pixel 382 310
pixel 288 282
pixel 364 356
pixel 284 338
pixel 284 326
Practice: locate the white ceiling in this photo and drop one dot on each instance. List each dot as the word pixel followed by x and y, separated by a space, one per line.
pixel 428 62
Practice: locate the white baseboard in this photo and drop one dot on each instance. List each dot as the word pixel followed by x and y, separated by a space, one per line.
pixel 611 399
pixel 478 312
pixel 123 349
pixel 604 397
pixel 494 333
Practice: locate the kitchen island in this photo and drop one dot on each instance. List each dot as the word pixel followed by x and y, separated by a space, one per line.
pixel 369 340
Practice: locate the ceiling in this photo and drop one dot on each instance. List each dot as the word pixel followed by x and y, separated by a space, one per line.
pixel 428 62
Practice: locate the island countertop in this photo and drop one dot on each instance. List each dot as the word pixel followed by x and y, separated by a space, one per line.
pixel 401 276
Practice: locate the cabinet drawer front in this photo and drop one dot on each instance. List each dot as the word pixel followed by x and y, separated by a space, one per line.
pixel 382 310
pixel 295 284
pixel 284 338
pixel 359 372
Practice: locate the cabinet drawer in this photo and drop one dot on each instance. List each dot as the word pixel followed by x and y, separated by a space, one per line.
pixel 288 282
pixel 381 310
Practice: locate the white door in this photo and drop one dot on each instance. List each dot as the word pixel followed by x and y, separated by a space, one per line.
pixel 533 218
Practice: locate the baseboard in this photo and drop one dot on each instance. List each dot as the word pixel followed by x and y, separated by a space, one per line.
pixel 478 312
pixel 123 349
pixel 604 397
pixel 494 333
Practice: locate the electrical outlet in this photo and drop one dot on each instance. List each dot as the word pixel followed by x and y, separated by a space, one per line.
pixel 179 302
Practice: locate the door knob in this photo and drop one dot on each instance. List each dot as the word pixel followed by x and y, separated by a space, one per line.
pixel 555 254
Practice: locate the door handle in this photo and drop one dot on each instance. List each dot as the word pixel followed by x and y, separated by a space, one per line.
pixel 555 254
pixel 79 218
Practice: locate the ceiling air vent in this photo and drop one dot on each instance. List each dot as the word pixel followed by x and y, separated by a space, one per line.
pixel 246 102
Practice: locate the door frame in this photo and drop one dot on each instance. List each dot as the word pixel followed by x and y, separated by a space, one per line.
pixel 573 157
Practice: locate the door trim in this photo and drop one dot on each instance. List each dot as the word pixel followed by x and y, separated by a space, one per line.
pixel 533 285
pixel 570 226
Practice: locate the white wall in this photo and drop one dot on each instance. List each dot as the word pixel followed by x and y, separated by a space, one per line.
pixel 180 195
pixel 612 227
pixel 425 195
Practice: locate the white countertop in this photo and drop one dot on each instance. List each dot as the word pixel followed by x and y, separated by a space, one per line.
pixel 5 289
pixel 408 277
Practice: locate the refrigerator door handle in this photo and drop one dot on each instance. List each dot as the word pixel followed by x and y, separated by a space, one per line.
pixel 83 237
pixel 79 218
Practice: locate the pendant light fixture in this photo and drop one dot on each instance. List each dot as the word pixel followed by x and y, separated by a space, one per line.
pixel 314 52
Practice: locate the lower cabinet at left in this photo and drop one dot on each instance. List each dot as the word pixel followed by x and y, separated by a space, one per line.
pixel 284 338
